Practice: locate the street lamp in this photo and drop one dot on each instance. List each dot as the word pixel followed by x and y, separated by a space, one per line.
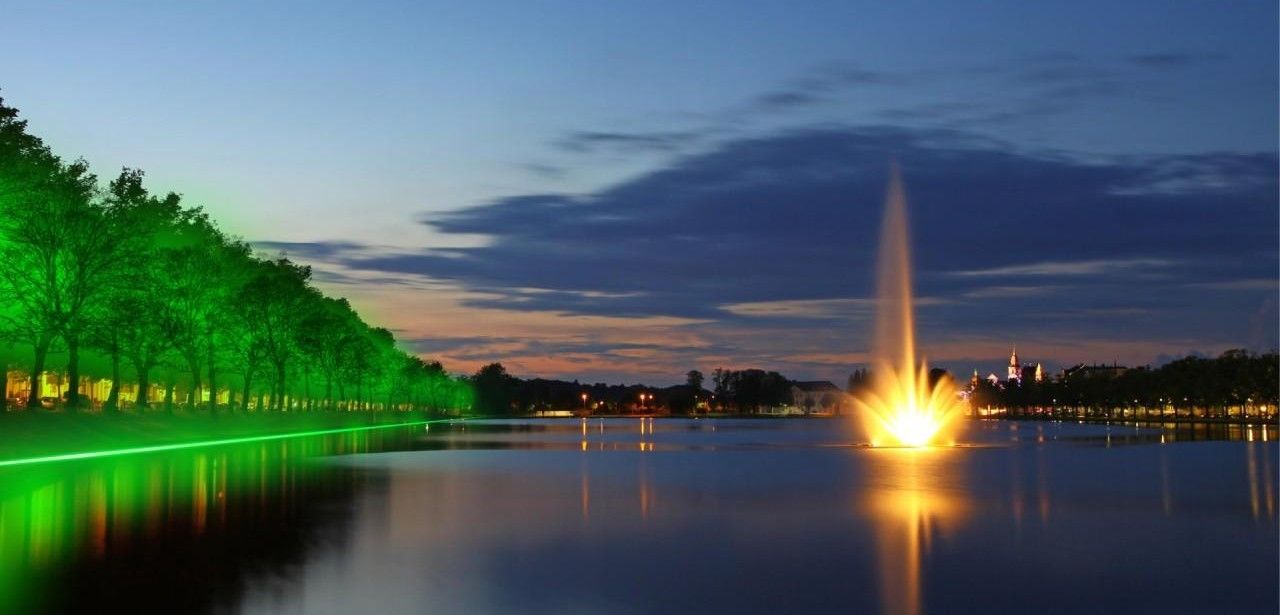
pixel 584 402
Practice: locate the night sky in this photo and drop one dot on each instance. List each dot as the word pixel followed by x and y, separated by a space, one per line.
pixel 626 191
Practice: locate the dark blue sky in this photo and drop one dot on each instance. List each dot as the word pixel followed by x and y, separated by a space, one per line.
pixel 629 190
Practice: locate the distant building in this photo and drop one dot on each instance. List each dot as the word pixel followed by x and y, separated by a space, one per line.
pixel 1015 374
pixel 819 397
pixel 1086 371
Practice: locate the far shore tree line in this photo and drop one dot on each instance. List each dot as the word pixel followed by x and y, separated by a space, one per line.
pixel 1236 385
pixel 748 391
pixel 114 283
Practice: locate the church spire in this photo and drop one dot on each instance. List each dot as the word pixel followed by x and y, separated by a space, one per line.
pixel 1015 370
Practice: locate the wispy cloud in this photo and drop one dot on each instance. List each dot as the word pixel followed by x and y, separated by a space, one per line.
pixel 1249 284
pixel 586 141
pixel 1006 292
pixel 1067 268
pixel 1172 59
pixel 802 308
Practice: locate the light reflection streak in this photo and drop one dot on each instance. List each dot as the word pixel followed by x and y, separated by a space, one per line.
pixel 1042 486
pixel 919 496
pixel 646 496
pixel 1261 495
pixel 1015 469
pixel 585 489
pixel 1166 494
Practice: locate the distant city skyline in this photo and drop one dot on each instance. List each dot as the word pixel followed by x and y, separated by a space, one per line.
pixel 628 192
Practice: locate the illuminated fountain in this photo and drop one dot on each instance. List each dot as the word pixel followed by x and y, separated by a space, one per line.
pixel 901 407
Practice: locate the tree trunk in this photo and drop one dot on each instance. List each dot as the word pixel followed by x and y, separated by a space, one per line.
pixel 248 387
pixel 193 396
pixel 168 395
pixel 41 353
pixel 113 398
pixel 213 382
pixel 142 400
pixel 259 405
pixel 279 401
pixel 73 370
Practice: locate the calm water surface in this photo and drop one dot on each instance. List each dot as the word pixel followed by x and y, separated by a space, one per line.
pixel 658 516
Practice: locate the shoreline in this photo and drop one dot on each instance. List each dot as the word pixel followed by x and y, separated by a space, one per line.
pixel 1249 422
pixel 61 436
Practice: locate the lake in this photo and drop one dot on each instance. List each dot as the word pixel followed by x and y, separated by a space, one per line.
pixel 657 516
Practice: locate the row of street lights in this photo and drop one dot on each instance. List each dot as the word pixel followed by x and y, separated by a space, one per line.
pixel 644 397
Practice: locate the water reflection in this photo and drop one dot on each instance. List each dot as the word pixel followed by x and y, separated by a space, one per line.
pixel 917 497
pixel 106 525
pixel 651 516
pixel 1262 497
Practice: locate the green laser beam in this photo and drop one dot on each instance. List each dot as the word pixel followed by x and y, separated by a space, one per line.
pixel 184 445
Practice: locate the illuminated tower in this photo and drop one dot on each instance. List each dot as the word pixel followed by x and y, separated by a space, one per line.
pixel 1039 373
pixel 1015 370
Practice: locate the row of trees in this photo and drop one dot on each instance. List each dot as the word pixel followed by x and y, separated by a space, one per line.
pixel 499 393
pixel 749 390
pixel 144 286
pixel 741 391
pixel 1237 383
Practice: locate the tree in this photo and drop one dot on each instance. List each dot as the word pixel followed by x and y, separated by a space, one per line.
pixel 723 380
pixel 694 380
pixel 493 388
pixel 858 380
pixel 328 328
pixel 271 300
pixel 144 279
pixel 53 250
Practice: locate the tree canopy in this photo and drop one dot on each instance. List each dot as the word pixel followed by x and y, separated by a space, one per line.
pixel 159 301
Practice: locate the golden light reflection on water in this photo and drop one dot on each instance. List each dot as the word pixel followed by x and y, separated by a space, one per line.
pixel 1262 497
pixel 919 495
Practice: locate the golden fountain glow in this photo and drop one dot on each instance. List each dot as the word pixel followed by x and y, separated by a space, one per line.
pixel 901 407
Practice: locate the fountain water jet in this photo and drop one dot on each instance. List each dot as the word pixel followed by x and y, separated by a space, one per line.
pixel 901 407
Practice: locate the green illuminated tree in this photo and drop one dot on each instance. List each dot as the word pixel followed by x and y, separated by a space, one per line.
pixel 54 249
pixel 124 275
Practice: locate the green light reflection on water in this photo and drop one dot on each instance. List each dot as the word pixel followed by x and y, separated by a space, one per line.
pixel 98 503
